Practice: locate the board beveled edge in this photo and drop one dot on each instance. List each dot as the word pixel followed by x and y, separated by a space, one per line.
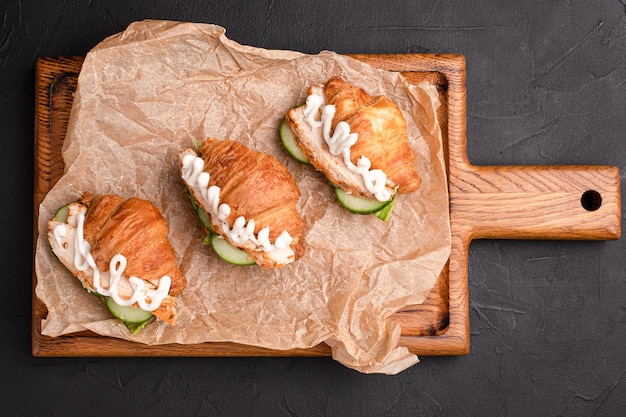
pixel 453 340
pixel 456 339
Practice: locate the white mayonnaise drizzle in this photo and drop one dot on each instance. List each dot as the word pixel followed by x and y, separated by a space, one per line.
pixel 341 141
pixel 59 233
pixel 242 231
pixel 83 261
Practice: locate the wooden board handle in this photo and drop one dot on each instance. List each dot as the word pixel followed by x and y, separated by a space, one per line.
pixel 536 202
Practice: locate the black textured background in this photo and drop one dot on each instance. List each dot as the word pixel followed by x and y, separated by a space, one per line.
pixel 545 85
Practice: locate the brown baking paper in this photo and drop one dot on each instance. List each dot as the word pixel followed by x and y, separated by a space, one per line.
pixel 161 86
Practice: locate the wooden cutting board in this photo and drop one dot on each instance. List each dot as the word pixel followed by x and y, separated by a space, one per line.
pixel 509 202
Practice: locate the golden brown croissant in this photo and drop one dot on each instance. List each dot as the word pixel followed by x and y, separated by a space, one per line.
pixel 254 202
pixel 382 138
pixel 132 233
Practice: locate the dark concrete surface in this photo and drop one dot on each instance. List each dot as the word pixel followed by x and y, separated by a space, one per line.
pixel 546 84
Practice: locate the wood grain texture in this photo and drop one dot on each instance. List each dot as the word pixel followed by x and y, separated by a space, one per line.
pixel 485 202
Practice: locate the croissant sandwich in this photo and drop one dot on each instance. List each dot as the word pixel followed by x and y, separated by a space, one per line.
pixel 359 141
pixel 119 250
pixel 246 200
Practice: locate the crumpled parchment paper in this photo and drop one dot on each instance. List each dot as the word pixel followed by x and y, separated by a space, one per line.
pixel 161 86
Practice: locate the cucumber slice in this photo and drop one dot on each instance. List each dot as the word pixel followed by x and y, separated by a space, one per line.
pixel 205 219
pixel 134 318
pixel 192 200
pixel 62 213
pixel 359 205
pixel 118 312
pixel 230 253
pixel 288 139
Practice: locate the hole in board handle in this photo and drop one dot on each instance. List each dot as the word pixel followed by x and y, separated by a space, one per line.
pixel 591 200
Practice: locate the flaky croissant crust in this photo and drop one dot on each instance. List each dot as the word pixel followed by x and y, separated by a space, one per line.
pixel 136 229
pixel 382 130
pixel 256 186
